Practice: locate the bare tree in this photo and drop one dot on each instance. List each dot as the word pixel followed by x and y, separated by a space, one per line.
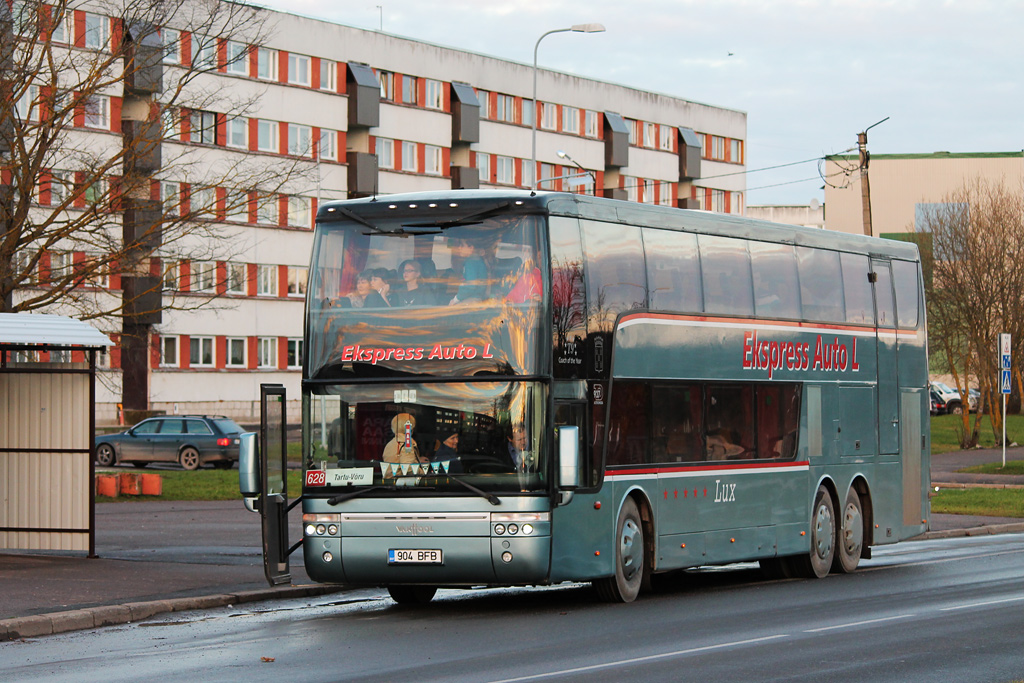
pixel 978 274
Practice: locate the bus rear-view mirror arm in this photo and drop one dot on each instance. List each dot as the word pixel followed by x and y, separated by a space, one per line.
pixel 568 462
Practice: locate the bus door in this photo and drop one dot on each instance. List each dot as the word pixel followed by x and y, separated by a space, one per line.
pixel 888 359
pixel 274 490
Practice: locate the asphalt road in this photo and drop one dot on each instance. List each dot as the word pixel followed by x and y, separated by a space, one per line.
pixel 947 609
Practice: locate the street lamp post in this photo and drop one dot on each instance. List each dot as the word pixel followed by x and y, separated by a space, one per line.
pixel 578 28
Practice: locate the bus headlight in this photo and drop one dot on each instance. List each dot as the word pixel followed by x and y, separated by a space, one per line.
pixel 527 529
pixel 310 530
pixel 499 529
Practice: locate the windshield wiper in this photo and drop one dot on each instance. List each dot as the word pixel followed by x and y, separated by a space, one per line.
pixel 491 498
pixel 341 498
pixel 358 219
pixel 471 219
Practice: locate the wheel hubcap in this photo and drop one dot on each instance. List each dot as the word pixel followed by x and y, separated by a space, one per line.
pixel 630 549
pixel 853 530
pixel 823 532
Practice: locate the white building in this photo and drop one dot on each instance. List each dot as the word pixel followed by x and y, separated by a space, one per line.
pixel 365 112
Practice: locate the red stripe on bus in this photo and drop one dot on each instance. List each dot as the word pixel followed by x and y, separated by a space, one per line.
pixel 803 464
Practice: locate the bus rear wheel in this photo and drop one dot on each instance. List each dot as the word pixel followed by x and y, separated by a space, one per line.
pixel 851 535
pixel 625 585
pixel 412 595
pixel 818 562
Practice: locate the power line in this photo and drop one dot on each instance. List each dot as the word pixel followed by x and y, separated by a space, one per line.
pixel 770 168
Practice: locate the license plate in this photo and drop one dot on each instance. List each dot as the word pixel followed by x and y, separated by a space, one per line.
pixel 400 556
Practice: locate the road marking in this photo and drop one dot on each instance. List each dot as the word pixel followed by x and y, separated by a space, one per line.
pixel 858 623
pixel 636 660
pixel 981 604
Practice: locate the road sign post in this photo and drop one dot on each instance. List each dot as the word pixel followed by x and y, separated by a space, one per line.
pixel 1004 380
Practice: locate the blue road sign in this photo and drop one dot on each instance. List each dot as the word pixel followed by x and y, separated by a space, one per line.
pixel 1004 381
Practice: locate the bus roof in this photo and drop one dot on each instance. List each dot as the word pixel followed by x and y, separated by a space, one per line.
pixel 419 204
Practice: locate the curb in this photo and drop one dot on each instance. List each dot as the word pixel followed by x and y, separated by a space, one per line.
pixel 974 485
pixel 987 530
pixel 112 615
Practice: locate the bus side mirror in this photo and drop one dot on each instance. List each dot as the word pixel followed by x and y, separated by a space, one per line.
pixel 249 469
pixel 568 457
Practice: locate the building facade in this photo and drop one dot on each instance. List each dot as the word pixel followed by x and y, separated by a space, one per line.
pixel 350 113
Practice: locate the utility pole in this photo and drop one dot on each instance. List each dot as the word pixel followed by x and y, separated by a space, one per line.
pixel 865 186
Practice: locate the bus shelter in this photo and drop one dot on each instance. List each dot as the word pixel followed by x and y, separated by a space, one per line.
pixel 47 421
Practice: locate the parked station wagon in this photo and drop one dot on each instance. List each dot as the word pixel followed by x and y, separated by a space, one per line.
pixel 190 440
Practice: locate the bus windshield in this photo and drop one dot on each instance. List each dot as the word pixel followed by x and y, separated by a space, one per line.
pixel 424 436
pixel 390 297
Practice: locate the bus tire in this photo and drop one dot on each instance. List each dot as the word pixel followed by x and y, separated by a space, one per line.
pixel 818 561
pixel 850 542
pixel 412 595
pixel 625 585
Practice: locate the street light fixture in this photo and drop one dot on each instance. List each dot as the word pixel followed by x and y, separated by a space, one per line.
pixel 593 178
pixel 578 28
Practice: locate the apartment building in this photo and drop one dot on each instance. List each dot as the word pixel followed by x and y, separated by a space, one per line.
pixel 349 113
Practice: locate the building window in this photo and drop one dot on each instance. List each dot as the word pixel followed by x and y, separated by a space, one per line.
pixel 97 31
pixel 95 191
pixel 267 210
pixel 97 112
pixel 298 69
pixel 632 188
pixel 385 153
pixel 266 64
pixel 484 98
pixel 300 140
pixel 717 148
pixel 328 75
pixel 236 206
pixel 505 109
pixel 171 276
pixel 409 90
pixel 236 352
pixel 736 151
pixel 665 195
pixel 60 265
pixel 528 173
pixel 204 276
pixel 505 170
pixel 170 197
pixel 267 137
pixel 432 160
pixel 237 278
pixel 717 201
pixel 204 52
pixel 27 106
pixel 168 351
pixel 171 40
pixel 58 25
pixel 483 162
pixel 300 212
pixel 328 145
pixel 266 280
pixel 634 131
pixel 202 202
pixel 571 120
pixel 592 125
pixel 528 112
pixel 549 116
pixel 60 186
pixel 238 58
pixel 648 197
pixel 409 157
pixel 297 278
pixel 666 138
pixel 200 352
pixel 204 127
pixel 238 133
pixel 266 352
pixel 434 94
pixel 294 353
pixel 736 203
pixel 650 135
pixel 387 85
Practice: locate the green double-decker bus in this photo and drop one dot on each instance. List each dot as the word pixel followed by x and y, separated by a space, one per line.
pixel 528 388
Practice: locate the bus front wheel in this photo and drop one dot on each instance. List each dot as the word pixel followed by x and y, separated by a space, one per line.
pixel 851 535
pixel 818 562
pixel 412 595
pixel 625 585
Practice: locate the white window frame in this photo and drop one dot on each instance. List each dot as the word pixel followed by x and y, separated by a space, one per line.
pixel 268 210
pixel 61 264
pixel 717 201
pixel 169 350
pixel 202 343
pixel 735 151
pixel 203 127
pixel 294 353
pixel 650 135
pixel 648 197
pixel 298 69
pixel 237 277
pixel 434 94
pixel 298 279
pixel 327 145
pixel 528 171
pixel 203 202
pixel 236 206
pixel 59 28
pixel 300 211
pixel 97 31
pixel 504 109
pixel 387 85
pixel 570 120
pixel 410 90
pixel 483 163
pixel 549 116
pixel 27 106
pixel 527 112
pixel 328 75
pixel 61 185
pixel 410 157
pixel 236 344
pixel 204 52
pixel 505 170
pixel 300 140
pixel 266 352
pixel 268 137
pixel 385 153
pixel 736 203
pixel 266 281
pixel 171 280
pixel 237 134
pixel 665 195
pixel 666 138
pixel 432 160
pixel 592 125
pixel 238 58
pixel 203 276
pixel 97 112
pixel 484 98
pixel 266 64
pixel 171 40
pixel 170 197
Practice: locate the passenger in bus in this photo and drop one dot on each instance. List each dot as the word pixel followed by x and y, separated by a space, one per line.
pixel 413 292
pixel 363 289
pixel 723 444
pixel 402 449
pixel 448 451
pixel 520 459
pixel 474 272
pixel 379 296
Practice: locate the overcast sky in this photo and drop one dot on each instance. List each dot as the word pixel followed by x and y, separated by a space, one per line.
pixel 809 74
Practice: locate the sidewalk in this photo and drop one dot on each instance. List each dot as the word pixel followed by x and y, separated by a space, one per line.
pixel 157 557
